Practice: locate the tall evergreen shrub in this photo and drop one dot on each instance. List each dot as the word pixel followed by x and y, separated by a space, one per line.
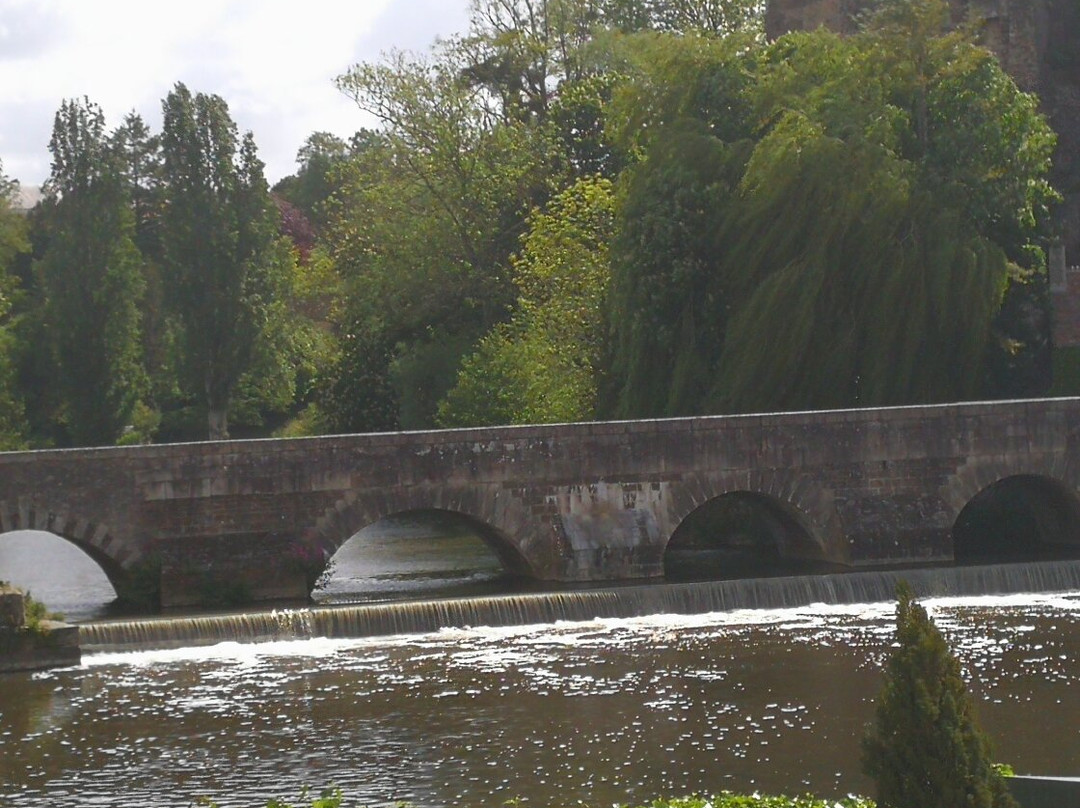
pixel 926 748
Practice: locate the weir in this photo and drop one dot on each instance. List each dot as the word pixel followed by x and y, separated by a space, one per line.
pixel 383 619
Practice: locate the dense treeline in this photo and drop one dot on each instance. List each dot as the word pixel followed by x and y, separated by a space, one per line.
pixel 578 209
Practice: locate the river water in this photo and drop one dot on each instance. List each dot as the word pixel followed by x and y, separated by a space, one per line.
pixel 598 711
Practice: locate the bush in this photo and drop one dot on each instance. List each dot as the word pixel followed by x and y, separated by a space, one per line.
pixel 728 800
pixel 328 798
pixel 36 613
pixel 926 748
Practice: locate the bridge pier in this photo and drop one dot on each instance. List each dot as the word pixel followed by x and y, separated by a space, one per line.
pixel 241 568
pixel 609 530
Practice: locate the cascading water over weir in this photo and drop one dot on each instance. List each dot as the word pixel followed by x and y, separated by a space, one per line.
pixel 378 619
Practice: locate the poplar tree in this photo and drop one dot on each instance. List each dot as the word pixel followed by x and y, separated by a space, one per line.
pixel 91 278
pixel 218 238
pixel 12 242
pixel 926 747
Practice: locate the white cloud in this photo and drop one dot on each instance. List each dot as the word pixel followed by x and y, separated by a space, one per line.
pixel 273 61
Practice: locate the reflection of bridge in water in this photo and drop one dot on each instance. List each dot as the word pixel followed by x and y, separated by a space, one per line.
pixel 577 502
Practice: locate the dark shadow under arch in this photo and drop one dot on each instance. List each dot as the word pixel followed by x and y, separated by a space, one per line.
pixel 743 534
pixel 1024 517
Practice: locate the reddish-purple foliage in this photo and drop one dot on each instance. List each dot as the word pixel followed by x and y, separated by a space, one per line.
pixel 296 226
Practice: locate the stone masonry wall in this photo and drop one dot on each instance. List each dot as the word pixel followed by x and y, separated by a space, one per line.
pixel 571 502
pixel 1066 308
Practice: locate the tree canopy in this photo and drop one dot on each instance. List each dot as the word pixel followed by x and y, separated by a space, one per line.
pixel 91 279
pixel 219 233
pixel 576 209
pixel 843 218
pixel 13 241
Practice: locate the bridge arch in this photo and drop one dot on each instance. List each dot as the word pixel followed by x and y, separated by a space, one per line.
pixel 115 556
pixel 771 520
pixel 481 512
pixel 1014 510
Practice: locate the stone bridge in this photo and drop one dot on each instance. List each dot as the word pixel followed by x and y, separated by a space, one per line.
pixel 573 502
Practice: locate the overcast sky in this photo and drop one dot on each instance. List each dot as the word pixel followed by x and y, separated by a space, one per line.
pixel 273 61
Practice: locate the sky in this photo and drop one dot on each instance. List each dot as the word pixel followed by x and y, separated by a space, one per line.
pixel 273 61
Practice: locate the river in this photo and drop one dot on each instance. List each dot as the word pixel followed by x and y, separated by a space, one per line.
pixel 597 711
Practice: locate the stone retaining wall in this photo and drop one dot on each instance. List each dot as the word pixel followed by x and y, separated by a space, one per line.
pixel 50 644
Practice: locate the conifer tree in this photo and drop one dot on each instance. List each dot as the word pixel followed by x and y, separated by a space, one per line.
pixel 926 747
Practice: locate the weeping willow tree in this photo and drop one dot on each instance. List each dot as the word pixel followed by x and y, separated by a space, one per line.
pixel 867 292
pixel 686 114
pixel 853 248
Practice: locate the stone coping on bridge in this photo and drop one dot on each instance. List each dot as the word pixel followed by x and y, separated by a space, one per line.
pixel 525 431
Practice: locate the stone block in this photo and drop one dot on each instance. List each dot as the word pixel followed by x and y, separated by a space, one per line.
pixel 12 608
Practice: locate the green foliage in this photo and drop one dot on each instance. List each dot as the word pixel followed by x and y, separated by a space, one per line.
pixel 813 222
pixel 925 747
pixel 314 182
pixel 669 303
pixel 91 279
pixel 422 231
pixel 219 239
pixel 13 242
pixel 328 798
pixel 145 422
pixel 356 394
pixel 541 367
pixel 828 222
pixel 37 614
pixel 726 799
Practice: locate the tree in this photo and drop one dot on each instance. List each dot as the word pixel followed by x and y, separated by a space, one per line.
pixel 12 242
pixel 218 236
pixel 937 155
pixel 139 152
pixel 541 366
pixel 313 183
pixel 925 747
pixel 685 110
pixel 835 222
pixel 91 279
pixel 426 221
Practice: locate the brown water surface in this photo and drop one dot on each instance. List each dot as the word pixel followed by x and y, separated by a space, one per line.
pixel 599 712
